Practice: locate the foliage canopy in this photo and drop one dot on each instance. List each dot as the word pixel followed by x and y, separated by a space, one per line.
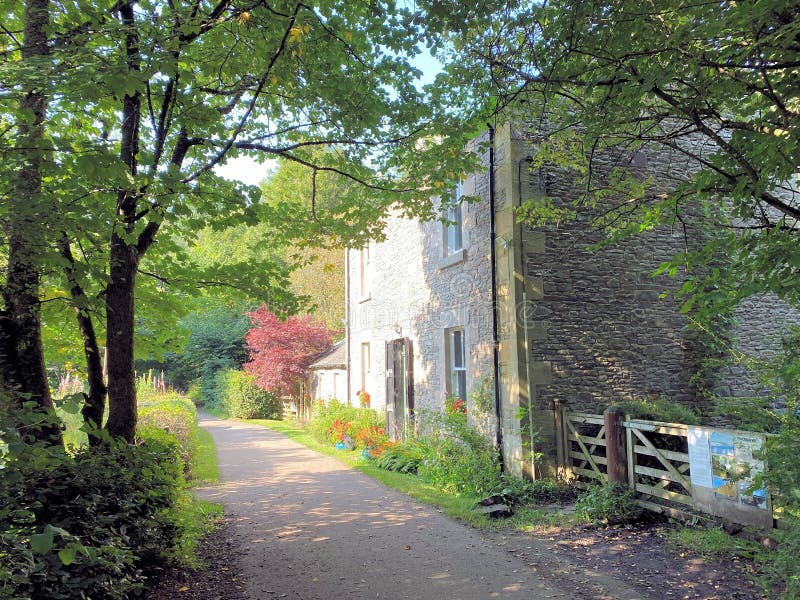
pixel 115 115
pixel 281 350
pixel 710 84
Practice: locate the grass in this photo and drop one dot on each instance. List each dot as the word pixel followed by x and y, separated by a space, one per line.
pixel 199 517
pixel 532 519
pixel 457 507
pixel 767 567
pixel 712 542
pixel 216 411
pixel 205 468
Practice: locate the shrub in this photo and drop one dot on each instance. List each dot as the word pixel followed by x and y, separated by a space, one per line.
pixel 241 398
pixel 748 413
pixel 659 409
pixel 193 393
pixel 545 491
pixel 403 457
pixel 460 460
pixel 321 425
pixel 516 490
pixel 608 503
pixel 781 564
pixel 175 414
pixel 90 524
pixel 208 385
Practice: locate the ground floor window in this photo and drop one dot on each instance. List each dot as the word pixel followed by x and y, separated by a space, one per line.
pixel 366 366
pixel 456 363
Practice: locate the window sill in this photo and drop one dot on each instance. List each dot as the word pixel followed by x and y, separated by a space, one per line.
pixel 453 259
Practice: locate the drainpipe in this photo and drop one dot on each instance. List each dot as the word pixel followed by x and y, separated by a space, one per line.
pixel 495 332
pixel 528 383
pixel 347 319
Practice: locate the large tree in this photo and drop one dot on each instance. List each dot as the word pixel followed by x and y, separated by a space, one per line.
pixel 22 363
pixel 712 82
pixel 149 96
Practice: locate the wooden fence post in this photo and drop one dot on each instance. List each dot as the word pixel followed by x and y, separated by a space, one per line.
pixel 616 456
pixel 561 460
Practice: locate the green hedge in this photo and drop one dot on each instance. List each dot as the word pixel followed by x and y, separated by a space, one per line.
pixel 175 414
pixel 88 525
pixel 238 395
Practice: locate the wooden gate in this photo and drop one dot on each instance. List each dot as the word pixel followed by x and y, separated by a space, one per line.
pixel 656 460
pixel 658 465
pixel 584 448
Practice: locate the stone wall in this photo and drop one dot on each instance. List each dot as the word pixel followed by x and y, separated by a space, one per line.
pixel 596 315
pixel 760 322
pixel 602 326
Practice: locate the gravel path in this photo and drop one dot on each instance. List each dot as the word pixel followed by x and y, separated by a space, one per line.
pixel 310 528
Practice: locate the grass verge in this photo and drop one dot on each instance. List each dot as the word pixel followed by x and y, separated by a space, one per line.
pixel 765 566
pixel 199 517
pixel 712 542
pixel 205 468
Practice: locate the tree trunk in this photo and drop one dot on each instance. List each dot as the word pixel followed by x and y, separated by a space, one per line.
pixel 124 260
pixel 120 334
pixel 22 349
pixel 95 402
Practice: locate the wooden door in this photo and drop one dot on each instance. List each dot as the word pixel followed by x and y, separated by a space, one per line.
pixel 399 388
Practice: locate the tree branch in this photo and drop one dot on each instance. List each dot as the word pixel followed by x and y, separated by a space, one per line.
pixel 246 116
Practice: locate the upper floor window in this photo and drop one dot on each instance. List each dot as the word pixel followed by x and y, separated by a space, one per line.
pixel 363 272
pixel 453 235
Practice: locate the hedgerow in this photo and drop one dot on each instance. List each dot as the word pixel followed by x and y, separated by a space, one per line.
pixel 88 525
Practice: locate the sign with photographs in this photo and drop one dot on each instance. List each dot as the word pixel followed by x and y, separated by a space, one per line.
pixel 728 462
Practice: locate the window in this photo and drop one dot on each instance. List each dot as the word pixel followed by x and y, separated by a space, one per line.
pixel 456 363
pixel 363 272
pixel 453 237
pixel 365 366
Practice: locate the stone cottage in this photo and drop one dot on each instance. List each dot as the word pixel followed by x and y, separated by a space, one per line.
pixel 326 377
pixel 452 306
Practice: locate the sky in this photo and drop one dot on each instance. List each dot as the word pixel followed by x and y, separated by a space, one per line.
pixel 249 171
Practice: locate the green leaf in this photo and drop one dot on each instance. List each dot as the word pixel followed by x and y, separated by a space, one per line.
pixel 42 543
pixel 67 555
